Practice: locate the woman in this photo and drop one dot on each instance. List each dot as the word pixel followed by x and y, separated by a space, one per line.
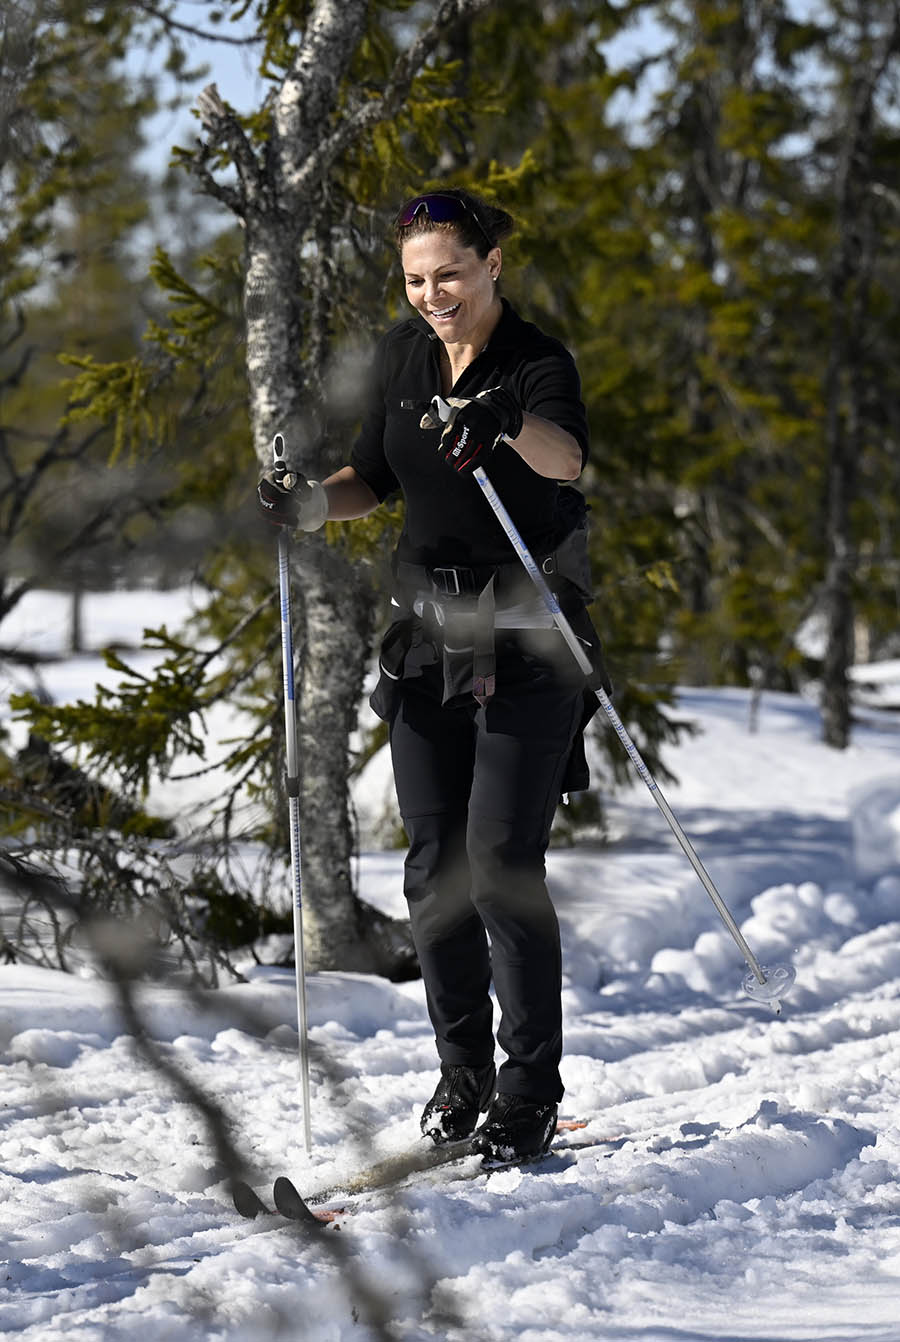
pixel 484 705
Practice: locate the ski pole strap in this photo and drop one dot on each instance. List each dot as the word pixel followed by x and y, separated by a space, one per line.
pixel 484 660
pixel 457 607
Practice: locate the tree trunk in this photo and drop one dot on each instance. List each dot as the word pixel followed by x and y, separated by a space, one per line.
pixel 335 613
pixel 844 393
pixel 76 615
pixel 340 930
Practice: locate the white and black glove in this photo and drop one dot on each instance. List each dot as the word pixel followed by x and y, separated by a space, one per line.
pixel 287 499
pixel 474 426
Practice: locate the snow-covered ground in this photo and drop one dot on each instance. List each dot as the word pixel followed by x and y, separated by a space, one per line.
pixel 744 1184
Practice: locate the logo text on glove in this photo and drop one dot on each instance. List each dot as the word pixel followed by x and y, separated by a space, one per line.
pixel 462 442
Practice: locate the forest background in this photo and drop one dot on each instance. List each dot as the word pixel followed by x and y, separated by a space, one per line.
pixel 714 230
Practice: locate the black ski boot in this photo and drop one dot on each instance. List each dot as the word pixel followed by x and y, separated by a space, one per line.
pixel 516 1128
pixel 462 1094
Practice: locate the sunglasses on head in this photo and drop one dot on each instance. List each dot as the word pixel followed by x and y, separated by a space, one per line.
pixel 441 209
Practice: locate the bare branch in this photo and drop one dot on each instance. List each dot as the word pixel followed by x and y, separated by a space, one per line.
pixel 886 193
pixel 223 128
pixel 173 25
pixel 17 332
pixel 236 632
pixel 408 64
pixel 231 198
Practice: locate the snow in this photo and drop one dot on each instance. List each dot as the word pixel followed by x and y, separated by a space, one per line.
pixel 744 1181
pixel 877 684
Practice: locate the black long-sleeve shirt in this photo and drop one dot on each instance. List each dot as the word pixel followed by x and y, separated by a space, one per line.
pixel 447 519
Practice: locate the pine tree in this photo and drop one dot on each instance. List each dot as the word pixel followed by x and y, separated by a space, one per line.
pixel 748 289
pixel 863 49
pixel 74 200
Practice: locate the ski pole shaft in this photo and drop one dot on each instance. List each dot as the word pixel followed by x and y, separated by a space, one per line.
pixel 585 666
pixel 293 793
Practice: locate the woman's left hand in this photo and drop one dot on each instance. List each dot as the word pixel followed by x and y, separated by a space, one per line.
pixel 475 426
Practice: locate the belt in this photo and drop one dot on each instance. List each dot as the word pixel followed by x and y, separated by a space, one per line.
pixel 448 580
pixel 457 580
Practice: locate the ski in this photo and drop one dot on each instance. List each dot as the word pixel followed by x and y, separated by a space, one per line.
pixel 288 1203
pixel 419 1159
pixel 397 1172
pixel 247 1201
pixel 401 1171
pixel 292 1205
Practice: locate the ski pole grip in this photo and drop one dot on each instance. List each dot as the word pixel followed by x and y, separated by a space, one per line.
pixel 287 479
pixel 440 408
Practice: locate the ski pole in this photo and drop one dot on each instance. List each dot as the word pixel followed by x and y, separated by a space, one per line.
pixel 293 793
pixel 756 984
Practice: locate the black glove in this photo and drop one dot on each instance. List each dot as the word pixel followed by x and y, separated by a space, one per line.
pixel 302 505
pixel 475 427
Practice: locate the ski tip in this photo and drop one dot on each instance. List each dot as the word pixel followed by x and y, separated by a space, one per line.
pixel 291 1204
pixel 246 1201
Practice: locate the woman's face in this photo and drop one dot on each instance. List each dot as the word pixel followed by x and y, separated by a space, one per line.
pixel 451 286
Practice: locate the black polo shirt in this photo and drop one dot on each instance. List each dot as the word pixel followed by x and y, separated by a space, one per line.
pixel 448 520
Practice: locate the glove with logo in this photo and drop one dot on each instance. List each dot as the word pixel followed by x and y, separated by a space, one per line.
pixel 288 499
pixel 474 426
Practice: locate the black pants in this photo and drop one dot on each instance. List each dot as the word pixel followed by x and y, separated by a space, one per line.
pixel 477 789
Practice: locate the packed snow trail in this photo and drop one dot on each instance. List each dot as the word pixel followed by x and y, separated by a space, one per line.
pixel 750 1193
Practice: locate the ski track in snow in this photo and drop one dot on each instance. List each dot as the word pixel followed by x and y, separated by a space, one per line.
pixel 743 1187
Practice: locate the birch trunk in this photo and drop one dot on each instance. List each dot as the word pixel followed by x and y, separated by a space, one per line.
pixel 276 198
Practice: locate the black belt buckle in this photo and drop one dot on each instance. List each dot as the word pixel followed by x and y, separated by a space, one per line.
pixel 453 581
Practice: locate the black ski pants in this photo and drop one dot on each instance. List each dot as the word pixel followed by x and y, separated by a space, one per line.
pixel 477 789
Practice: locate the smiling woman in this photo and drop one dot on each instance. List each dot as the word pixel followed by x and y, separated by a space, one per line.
pixel 451 266
pixel 484 703
pixel 455 290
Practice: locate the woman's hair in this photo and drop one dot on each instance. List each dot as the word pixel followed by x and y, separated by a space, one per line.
pixel 477 223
